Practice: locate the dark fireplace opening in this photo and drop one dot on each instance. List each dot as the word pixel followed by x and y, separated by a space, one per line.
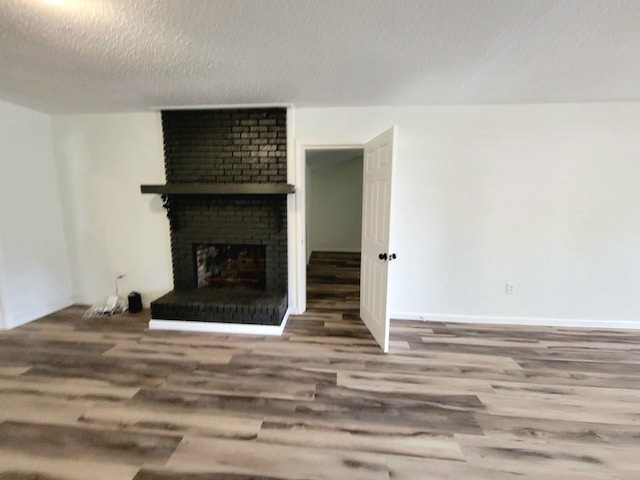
pixel 230 265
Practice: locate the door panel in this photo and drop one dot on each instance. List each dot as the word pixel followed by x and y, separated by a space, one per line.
pixel 376 217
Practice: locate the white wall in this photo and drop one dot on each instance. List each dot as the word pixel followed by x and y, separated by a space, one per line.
pixel 34 264
pixel 334 204
pixel 110 226
pixel 3 323
pixel 544 196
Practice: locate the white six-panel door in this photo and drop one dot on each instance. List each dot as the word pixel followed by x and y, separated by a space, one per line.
pixel 376 216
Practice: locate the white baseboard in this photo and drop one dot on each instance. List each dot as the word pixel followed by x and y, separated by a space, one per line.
pixel 214 327
pixel 337 250
pixel 532 321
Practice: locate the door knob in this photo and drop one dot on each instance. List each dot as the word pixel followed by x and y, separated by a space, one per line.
pixel 382 256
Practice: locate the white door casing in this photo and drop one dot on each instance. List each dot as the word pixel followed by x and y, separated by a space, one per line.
pixel 3 303
pixel 376 220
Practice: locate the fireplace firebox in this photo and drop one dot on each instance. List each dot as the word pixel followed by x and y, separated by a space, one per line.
pixel 241 266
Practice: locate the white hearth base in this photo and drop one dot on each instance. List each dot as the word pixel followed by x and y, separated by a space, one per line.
pixel 215 327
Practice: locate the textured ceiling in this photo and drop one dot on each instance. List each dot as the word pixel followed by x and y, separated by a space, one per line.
pixel 122 55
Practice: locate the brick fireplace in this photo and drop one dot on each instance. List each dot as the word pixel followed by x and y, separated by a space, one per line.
pixel 226 202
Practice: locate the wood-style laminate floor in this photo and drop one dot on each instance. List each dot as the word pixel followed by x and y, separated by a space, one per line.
pixel 109 399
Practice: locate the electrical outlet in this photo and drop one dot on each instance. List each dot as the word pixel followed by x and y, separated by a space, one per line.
pixel 509 288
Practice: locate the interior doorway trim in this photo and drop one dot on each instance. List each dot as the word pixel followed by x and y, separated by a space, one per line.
pixel 299 234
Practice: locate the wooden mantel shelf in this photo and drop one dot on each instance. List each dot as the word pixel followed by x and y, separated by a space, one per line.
pixel 219 189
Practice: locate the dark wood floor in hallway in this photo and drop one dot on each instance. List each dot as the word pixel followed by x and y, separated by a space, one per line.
pixel 109 399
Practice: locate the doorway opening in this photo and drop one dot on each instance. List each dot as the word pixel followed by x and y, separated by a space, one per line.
pixel 378 157
pixel 333 185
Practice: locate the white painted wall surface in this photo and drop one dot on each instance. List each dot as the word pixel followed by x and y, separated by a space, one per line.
pixel 110 226
pixel 34 263
pixel 2 287
pixel 543 196
pixel 334 208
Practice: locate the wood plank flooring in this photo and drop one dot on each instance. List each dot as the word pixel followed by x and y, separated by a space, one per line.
pixel 109 399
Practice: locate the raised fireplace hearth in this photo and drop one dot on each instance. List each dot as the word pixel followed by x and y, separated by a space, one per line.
pixel 226 305
pixel 226 202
